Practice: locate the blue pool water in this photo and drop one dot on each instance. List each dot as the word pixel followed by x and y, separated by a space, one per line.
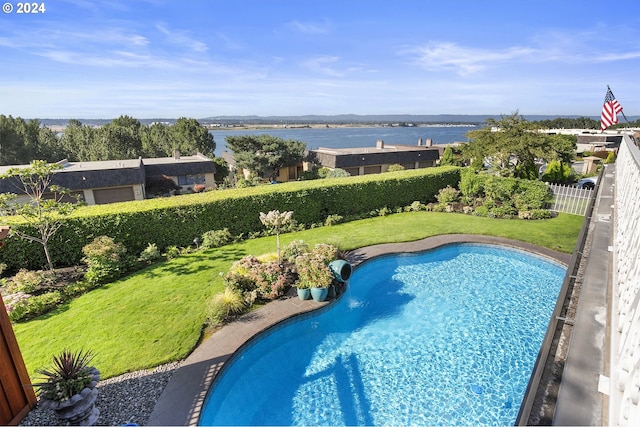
pixel 445 337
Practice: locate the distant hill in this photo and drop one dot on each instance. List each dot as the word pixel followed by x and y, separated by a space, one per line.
pixel 335 119
pixel 381 118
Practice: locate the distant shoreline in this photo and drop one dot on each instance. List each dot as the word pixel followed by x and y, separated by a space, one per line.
pixel 333 126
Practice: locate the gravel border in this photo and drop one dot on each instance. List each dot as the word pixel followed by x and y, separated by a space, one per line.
pixel 128 398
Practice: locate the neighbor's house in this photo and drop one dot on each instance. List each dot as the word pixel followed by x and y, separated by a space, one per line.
pixel 357 161
pixel 123 180
pixel 369 160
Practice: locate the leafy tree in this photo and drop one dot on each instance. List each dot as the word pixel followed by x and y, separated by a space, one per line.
pixel 265 155
pixel 222 169
pixel 77 141
pixel 188 136
pixel 120 139
pixel 45 209
pixel 156 141
pixel 557 172
pixel 512 145
pixel 448 158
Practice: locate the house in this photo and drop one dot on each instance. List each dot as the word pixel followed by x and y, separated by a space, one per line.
pixel 113 181
pixel 369 160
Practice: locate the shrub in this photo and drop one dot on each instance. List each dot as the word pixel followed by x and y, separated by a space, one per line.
pixel 504 211
pixel 105 259
pixel 294 250
pixel 333 220
pixel 269 280
pixel 557 172
pixel 216 238
pixel 448 195
pixel 176 221
pixel 481 211
pixel 224 305
pixel 172 252
pixel 395 167
pixel 150 254
pixel 611 158
pixel 416 206
pixel 26 281
pixel 34 306
pixel 338 173
pixel 471 183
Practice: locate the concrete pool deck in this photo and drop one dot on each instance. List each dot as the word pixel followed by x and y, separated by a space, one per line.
pixel 182 400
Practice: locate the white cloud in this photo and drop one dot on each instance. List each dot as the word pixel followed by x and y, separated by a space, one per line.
pixel 445 56
pixel 309 27
pixel 182 38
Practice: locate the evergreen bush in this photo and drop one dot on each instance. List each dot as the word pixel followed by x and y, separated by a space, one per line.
pixel 176 221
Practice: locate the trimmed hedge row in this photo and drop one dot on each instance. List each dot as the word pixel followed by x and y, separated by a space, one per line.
pixel 176 221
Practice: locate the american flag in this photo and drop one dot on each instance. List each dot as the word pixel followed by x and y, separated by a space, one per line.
pixel 610 110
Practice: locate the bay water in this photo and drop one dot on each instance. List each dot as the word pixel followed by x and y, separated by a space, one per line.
pixel 352 137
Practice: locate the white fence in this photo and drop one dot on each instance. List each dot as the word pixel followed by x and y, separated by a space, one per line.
pixel 568 199
pixel 624 394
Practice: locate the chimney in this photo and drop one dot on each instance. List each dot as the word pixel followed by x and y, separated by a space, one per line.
pixel 379 144
pixel 429 142
pixel 176 154
pixel 419 142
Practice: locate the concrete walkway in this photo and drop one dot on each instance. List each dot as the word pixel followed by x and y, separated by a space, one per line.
pixel 182 400
pixel 580 402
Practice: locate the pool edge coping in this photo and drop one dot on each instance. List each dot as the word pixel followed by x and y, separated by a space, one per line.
pixel 182 399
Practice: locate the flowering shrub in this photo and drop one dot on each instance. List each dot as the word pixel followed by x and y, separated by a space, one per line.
pixel 25 281
pixel 326 252
pixel 269 280
pixel 295 249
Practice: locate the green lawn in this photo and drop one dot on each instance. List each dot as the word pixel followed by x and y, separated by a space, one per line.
pixel 156 315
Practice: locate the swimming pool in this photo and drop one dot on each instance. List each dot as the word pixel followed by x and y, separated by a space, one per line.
pixel 445 337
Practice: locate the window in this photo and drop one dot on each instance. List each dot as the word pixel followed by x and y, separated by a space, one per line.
pixel 191 179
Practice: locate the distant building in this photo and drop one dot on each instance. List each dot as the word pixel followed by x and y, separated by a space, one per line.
pixel 370 160
pixel 124 180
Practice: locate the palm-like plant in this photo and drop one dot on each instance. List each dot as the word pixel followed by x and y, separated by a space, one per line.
pixel 68 375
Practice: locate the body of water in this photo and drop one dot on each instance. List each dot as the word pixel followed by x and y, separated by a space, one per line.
pixel 448 337
pixel 353 137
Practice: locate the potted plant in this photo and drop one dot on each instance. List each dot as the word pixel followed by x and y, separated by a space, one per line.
pixel 313 273
pixel 304 290
pixel 68 387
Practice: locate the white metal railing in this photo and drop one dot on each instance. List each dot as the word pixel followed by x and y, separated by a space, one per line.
pixel 624 389
pixel 568 199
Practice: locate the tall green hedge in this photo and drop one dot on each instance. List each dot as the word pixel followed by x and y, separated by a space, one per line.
pixel 178 220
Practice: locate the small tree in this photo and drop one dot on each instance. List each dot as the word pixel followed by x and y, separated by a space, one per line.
pixel 275 220
pixel 45 208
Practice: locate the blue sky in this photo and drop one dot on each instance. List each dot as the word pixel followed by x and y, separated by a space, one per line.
pixel 172 58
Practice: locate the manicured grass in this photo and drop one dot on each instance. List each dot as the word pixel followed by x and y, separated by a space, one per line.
pixel 157 315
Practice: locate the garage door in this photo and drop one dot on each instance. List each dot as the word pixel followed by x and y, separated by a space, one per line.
pixel 112 195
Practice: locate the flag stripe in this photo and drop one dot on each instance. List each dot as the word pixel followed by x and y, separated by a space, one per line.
pixel 610 110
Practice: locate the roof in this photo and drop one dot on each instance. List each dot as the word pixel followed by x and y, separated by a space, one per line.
pixel 117 173
pixel 179 165
pixel 364 156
